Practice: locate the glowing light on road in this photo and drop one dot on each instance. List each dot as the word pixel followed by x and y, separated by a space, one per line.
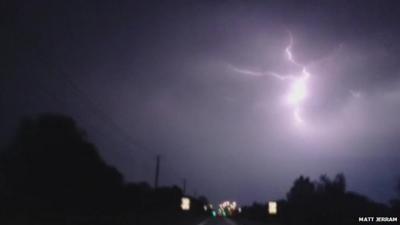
pixel 185 204
pixel 272 208
pixel 228 208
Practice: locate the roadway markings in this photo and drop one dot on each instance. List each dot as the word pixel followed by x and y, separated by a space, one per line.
pixel 224 221
pixel 204 222
pixel 229 221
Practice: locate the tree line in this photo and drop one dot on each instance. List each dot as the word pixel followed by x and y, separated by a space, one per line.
pixel 325 201
pixel 51 174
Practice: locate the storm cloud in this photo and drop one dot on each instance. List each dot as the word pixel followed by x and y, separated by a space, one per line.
pixel 157 78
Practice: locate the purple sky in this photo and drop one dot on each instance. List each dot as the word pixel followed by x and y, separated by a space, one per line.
pixel 157 78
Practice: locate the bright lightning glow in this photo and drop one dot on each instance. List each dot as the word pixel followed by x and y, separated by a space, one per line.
pixel 298 88
pixel 289 53
pixel 298 91
pixel 297 116
pixel 260 74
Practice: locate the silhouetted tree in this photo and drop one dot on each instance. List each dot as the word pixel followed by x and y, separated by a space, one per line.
pixel 395 203
pixel 202 199
pixel 51 174
pixel 336 186
pixel 326 202
pixel 51 167
pixel 398 188
pixel 256 211
pixel 300 198
pixel 303 189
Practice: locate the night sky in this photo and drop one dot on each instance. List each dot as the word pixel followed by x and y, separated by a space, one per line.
pixel 203 84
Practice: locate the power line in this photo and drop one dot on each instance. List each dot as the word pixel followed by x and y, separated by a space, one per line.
pixel 100 113
pixel 157 175
pixel 93 107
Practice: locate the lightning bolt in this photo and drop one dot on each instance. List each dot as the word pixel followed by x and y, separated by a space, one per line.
pixel 298 88
pixel 260 74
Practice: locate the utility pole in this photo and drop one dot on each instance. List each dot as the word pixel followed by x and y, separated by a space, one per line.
pixel 157 172
pixel 184 185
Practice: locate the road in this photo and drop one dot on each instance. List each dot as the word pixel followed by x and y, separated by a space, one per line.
pixel 227 221
pixel 218 221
